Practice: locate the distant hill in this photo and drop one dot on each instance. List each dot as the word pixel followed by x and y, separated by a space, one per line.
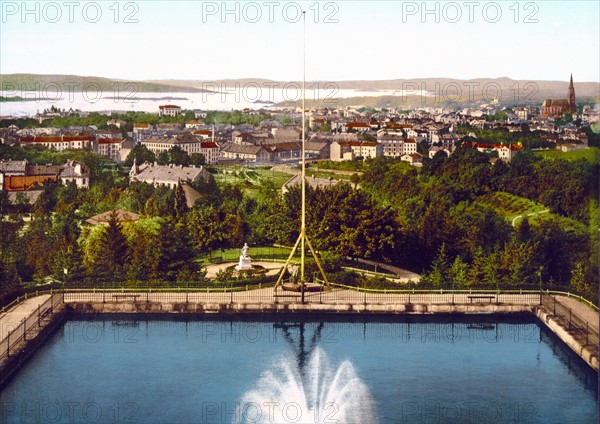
pixel 66 83
pixel 474 91
pixel 509 87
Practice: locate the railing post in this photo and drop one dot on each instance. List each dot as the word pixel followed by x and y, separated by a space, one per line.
pixel 554 313
pixel 569 318
pixel 24 329
pixel 8 344
pixel 38 312
pixel 587 331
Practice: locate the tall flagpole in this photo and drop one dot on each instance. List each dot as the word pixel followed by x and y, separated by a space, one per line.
pixel 303 225
pixel 302 240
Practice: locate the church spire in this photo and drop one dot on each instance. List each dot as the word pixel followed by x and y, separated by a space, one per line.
pixel 572 104
pixel 134 168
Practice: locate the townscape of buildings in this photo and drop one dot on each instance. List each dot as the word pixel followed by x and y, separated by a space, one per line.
pixel 22 177
pixel 332 134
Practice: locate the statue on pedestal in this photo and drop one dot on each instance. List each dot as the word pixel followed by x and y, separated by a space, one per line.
pixel 245 262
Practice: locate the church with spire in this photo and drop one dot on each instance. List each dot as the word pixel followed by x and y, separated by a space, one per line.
pixel 558 107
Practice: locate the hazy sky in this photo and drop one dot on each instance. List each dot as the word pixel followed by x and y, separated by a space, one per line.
pixel 346 40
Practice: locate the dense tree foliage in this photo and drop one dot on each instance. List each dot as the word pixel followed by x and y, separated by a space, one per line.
pixel 430 220
pixel 448 227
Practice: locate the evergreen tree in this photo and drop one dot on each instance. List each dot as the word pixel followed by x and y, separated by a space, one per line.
pixel 439 276
pixel 457 273
pixel 180 204
pixel 113 252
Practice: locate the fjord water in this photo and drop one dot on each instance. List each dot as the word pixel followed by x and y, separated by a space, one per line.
pixel 189 369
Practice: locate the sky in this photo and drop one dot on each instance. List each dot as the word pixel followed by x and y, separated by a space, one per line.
pixel 345 40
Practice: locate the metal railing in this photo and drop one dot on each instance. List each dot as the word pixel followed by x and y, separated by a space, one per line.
pixel 29 326
pixel 434 296
pixel 337 293
pixel 584 331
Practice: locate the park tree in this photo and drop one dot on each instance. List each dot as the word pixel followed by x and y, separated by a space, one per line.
pixel 458 273
pixel 139 154
pixel 517 265
pixel 68 264
pixel 112 251
pixel 46 201
pixel 174 248
pixel 180 203
pixel 22 204
pixel 439 276
pixel 175 155
pixel 580 283
pixel 197 159
pixel 42 245
pixel 10 250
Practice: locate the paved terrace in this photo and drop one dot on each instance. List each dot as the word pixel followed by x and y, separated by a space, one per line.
pixel 336 296
pixel 11 318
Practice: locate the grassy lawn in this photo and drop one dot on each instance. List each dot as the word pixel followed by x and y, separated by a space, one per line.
pixel 250 178
pixel 326 175
pixel 351 166
pixel 592 154
pixel 514 208
pixel 266 253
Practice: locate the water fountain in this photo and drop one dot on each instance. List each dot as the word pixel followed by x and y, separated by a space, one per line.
pixel 317 393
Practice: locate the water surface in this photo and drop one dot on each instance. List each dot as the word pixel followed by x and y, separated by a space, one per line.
pixel 188 369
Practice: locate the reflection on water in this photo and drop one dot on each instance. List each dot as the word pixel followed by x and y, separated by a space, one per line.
pixel 315 393
pixel 127 98
pixel 287 368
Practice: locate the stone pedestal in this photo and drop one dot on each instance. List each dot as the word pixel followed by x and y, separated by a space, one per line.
pixel 245 263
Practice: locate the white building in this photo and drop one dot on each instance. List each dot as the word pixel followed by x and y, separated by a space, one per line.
pixel 211 152
pixel 112 147
pixel 166 175
pixel 348 150
pixel 59 142
pixel 157 145
pixel 169 110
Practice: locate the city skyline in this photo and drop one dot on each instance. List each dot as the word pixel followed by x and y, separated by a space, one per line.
pixel 345 40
